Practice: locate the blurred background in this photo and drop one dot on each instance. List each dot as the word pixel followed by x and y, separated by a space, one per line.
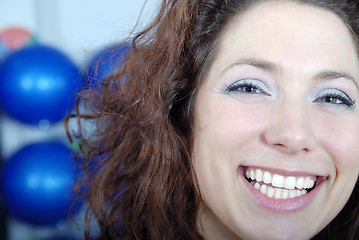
pixel 44 46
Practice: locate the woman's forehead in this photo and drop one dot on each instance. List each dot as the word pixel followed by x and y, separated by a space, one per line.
pixel 286 33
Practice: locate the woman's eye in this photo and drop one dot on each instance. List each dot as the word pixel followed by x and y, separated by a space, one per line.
pixel 245 87
pixel 336 98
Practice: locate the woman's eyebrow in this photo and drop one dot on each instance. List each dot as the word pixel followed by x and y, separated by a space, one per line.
pixel 271 67
pixel 261 64
pixel 331 75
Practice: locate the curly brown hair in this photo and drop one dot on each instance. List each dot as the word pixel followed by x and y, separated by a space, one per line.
pixel 137 173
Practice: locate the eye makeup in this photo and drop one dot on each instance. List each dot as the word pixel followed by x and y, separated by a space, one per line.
pixel 335 97
pixel 247 86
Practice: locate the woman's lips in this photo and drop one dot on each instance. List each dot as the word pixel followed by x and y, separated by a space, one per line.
pixel 280 192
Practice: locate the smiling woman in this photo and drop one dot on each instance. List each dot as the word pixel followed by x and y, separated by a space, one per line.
pixel 239 120
pixel 276 129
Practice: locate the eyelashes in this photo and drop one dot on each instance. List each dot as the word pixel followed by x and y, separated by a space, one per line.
pixel 335 97
pixel 254 87
pixel 249 86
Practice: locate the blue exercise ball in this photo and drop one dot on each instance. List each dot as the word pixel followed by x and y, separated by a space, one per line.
pixel 106 62
pixel 37 183
pixel 38 83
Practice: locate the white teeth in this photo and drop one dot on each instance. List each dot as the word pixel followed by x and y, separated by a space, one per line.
pixel 270 192
pixel 306 181
pixel 292 194
pixel 267 177
pixel 263 189
pixel 311 183
pixel 298 193
pixel 253 175
pixel 278 186
pixel 259 175
pixel 289 182
pixel 300 183
pixel 277 193
pixel 278 181
pixel 285 193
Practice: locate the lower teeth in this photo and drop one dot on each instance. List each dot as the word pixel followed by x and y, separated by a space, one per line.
pixel 277 193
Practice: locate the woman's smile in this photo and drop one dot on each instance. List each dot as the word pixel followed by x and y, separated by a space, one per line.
pixel 279 190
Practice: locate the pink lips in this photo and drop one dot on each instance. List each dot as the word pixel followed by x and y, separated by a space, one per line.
pixel 280 205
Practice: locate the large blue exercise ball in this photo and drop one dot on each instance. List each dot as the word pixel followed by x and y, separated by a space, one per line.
pixel 37 183
pixel 106 62
pixel 38 83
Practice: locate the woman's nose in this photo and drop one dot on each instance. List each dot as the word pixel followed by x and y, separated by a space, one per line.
pixel 290 129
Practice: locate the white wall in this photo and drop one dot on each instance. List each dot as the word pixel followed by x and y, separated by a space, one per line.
pixel 77 26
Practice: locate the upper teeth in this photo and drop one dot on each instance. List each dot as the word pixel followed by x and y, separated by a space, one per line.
pixel 280 181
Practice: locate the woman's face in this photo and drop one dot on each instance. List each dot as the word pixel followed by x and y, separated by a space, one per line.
pixel 276 115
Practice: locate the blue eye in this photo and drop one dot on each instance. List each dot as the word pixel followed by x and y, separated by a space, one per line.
pixel 336 98
pixel 245 87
